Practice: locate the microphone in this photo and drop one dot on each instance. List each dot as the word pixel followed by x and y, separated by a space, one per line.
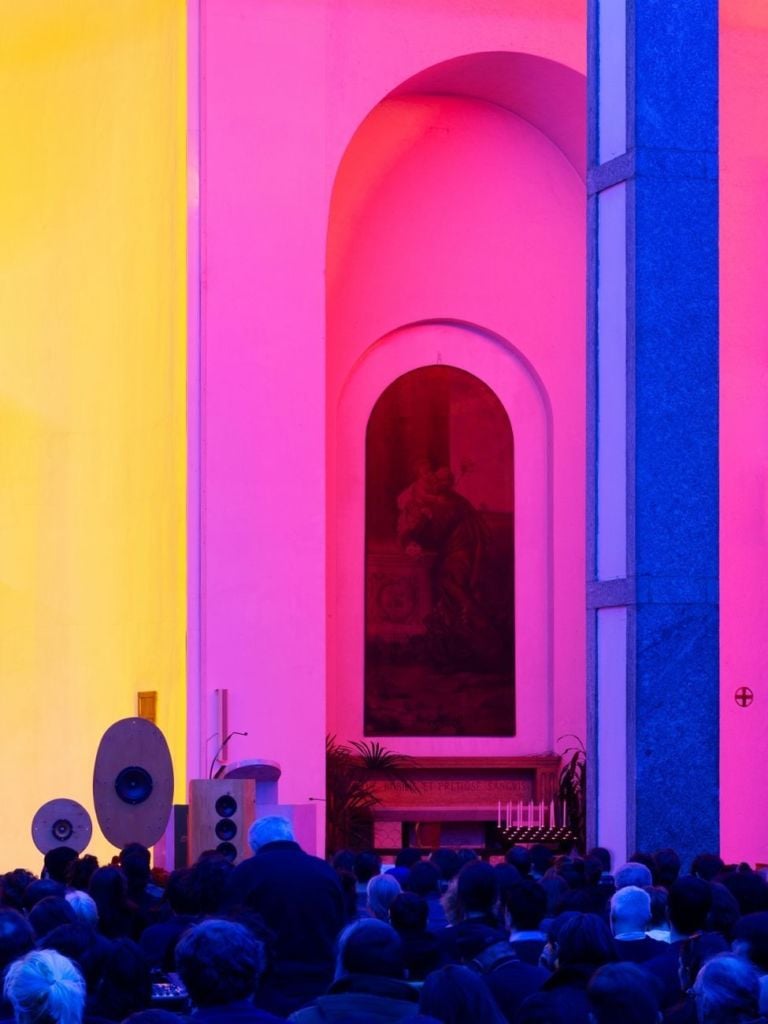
pixel 235 732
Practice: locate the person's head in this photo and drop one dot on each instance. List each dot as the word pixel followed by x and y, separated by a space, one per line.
pixel 57 862
pixel 604 856
pixel 749 889
pixel 381 891
pixel 135 861
pixel 424 879
pixel 408 856
pixel 519 858
pixel 367 866
pixel 666 867
pixel 39 889
pixel 659 901
pixel 477 888
pixel 541 860
pixel 79 944
pixel 750 940
pixel 725 913
pixel 408 913
pixel 630 910
pixel 49 914
pixel 343 860
pixel 16 937
pixel 12 886
pixel 447 862
pixel 622 994
pixel 271 829
pixel 707 866
pixel 79 872
pixel 369 946
pixel 526 904
pixel 727 991
pixel 108 888
pixel 584 939
pixel 207 882
pixel 219 962
pixel 84 907
pixel 690 900
pixel 44 987
pixel 633 873
pixel 458 995
pixel 556 892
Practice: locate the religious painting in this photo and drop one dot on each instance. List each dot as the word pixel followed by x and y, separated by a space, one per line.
pixel 439 559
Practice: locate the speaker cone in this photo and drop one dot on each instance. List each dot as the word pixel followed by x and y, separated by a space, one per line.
pixel 62 830
pixel 227 850
pixel 133 785
pixel 226 806
pixel 226 829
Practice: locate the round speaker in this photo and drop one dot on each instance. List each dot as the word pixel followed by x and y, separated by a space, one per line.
pixel 61 822
pixel 133 783
pixel 227 850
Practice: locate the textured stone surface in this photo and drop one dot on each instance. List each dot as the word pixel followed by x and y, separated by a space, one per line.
pixel 671 592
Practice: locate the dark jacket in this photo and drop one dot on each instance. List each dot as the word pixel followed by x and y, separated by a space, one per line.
pixel 509 979
pixel 299 897
pixel 241 1012
pixel 362 996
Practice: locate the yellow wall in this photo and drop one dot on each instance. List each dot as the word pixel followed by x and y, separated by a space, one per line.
pixel 92 390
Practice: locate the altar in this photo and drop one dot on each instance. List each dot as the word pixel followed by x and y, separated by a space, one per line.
pixel 454 800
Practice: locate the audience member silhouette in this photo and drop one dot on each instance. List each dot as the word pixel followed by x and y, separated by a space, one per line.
pixel 369 979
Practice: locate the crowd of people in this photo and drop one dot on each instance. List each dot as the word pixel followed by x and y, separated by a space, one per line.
pixel 444 937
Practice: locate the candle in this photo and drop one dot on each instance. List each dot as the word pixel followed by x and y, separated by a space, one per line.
pixel 565 819
pixel 530 813
pixel 541 814
pixel 519 813
pixel 552 813
pixel 498 815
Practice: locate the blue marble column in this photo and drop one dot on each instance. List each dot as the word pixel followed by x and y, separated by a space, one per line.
pixel 653 415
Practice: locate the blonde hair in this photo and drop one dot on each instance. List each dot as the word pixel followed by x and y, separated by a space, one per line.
pixel 45 987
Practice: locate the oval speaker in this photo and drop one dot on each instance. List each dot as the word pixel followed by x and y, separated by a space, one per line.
pixel 133 783
pixel 61 822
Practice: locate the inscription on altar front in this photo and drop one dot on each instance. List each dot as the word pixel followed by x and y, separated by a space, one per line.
pixel 453 792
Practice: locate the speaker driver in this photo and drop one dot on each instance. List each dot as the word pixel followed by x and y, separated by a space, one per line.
pixel 227 850
pixel 133 785
pixel 226 829
pixel 226 806
pixel 61 822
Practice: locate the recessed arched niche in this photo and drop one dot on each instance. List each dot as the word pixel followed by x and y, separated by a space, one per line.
pixel 439 559
pixel 456 238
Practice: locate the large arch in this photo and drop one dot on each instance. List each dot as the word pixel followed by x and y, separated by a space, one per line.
pixel 457 216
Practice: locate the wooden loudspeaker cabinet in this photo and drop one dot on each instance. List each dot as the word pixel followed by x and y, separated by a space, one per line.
pixel 220 813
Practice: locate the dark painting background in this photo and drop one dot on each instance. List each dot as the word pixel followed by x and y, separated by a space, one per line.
pixel 439 616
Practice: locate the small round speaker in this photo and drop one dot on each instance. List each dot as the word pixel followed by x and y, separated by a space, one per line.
pixel 61 822
pixel 227 850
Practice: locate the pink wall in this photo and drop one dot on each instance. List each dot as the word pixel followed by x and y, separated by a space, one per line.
pixel 743 425
pixel 284 89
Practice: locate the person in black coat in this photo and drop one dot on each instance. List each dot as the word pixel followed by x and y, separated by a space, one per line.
pixel 300 900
